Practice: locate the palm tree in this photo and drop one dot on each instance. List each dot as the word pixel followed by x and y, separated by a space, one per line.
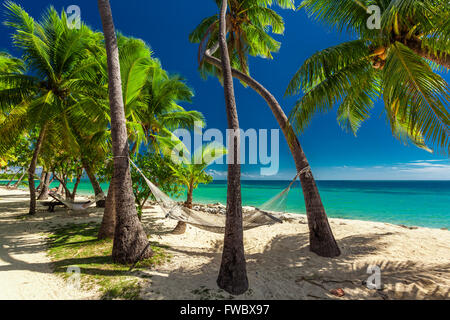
pixel 399 62
pixel 130 242
pixel 55 58
pixel 151 98
pixel 233 270
pixel 8 65
pixel 248 23
pixel 192 172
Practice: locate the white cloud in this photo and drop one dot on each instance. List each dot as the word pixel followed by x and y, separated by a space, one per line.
pixel 217 174
pixel 412 170
pixel 251 176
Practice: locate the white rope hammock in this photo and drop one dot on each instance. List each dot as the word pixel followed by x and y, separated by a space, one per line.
pixel 216 222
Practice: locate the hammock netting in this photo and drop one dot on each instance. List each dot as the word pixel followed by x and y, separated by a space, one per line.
pixel 76 206
pixel 252 218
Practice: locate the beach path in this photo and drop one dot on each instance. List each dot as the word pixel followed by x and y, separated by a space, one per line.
pixel 25 269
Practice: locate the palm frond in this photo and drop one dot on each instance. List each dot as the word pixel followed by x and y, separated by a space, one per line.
pixel 325 63
pixel 421 95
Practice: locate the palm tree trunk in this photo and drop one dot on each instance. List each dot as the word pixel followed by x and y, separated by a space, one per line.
pixel 63 186
pixel 13 177
pixel 321 238
pixel 41 181
pixel 95 185
pixel 17 184
pixel 190 198
pixel 130 240
pixel 108 225
pixel 60 188
pixel 233 269
pixel 32 169
pixel 181 226
pixel 45 187
pixel 439 58
pixel 75 188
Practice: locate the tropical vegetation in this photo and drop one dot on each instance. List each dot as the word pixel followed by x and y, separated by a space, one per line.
pixel 56 99
pixel 401 64
pixel 80 103
pixel 249 24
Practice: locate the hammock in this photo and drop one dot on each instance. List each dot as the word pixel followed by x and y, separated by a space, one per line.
pixel 252 218
pixel 75 206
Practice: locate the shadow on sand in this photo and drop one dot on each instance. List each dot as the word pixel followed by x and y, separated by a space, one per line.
pixel 285 269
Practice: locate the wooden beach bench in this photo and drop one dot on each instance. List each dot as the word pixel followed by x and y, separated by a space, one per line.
pixel 52 204
pixel 73 206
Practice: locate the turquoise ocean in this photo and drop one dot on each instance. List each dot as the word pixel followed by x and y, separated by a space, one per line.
pixel 412 203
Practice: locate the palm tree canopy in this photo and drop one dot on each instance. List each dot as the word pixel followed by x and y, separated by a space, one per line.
pixel 65 83
pixel 248 24
pixel 151 96
pixel 58 67
pixel 394 63
pixel 192 170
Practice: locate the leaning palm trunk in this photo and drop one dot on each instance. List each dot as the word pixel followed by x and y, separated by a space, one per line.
pixel 108 225
pixel 321 237
pixel 70 195
pixel 60 188
pixel 181 226
pixel 438 57
pixel 130 242
pixel 95 185
pixel 32 170
pixel 43 195
pixel 18 182
pixel 41 181
pixel 12 179
pixel 233 270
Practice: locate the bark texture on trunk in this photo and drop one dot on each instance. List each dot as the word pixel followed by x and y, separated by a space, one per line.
pixel 75 188
pixel 45 187
pixel 95 185
pixel 60 188
pixel 233 269
pixel 439 57
pixel 32 169
pixel 41 181
pixel 130 240
pixel 70 195
pixel 181 226
pixel 108 225
pixel 17 184
pixel 14 176
pixel 321 238
pixel 190 196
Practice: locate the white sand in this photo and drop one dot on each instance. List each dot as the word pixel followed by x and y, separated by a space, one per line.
pixel 25 270
pixel 415 264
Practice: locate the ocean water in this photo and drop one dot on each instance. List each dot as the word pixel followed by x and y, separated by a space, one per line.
pixel 413 203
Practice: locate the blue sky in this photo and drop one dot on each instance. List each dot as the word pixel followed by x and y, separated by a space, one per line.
pixel 333 154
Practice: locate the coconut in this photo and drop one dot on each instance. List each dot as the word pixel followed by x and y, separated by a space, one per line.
pixel 377 64
pixel 379 51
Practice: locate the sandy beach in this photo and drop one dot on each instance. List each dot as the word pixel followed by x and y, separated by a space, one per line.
pixel 414 262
